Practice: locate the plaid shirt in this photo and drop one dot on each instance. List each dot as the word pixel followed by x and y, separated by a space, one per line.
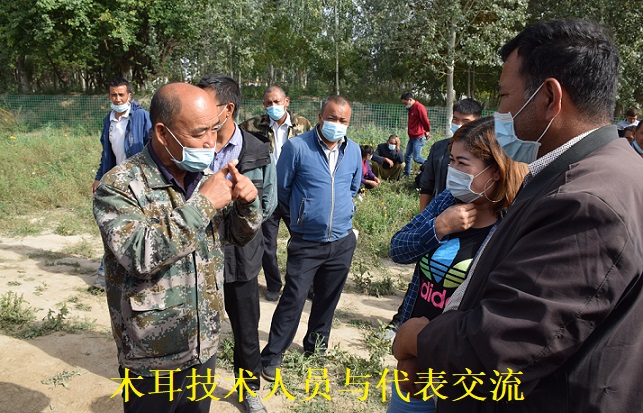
pixel 417 238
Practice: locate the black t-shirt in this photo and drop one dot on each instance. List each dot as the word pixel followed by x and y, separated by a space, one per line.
pixel 442 270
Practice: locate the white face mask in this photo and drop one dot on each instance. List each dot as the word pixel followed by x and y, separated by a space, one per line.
pixel 120 108
pixel 459 184
pixel 516 149
pixel 392 146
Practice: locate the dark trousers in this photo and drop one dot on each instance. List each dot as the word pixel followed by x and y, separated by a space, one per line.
pixel 151 402
pixel 270 230
pixel 242 306
pixel 325 266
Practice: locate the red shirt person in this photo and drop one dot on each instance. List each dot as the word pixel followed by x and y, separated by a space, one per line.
pixel 419 129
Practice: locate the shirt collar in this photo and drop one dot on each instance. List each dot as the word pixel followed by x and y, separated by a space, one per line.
pixel 541 163
pixel 236 139
pixel 324 144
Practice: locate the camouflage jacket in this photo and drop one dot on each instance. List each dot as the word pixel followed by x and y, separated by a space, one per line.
pixel 164 265
pixel 261 124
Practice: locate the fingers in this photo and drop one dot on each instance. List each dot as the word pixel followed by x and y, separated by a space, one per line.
pixel 233 171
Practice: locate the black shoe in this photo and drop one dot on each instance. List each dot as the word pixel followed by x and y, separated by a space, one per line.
pixel 272 295
pixel 269 373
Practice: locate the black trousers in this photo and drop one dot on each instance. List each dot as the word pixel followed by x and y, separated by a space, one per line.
pixel 242 307
pixel 270 230
pixel 181 403
pixel 325 266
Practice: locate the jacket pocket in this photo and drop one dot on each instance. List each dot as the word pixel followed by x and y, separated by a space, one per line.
pixel 302 211
pixel 160 324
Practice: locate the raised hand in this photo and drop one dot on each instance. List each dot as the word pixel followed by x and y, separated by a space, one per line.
pixel 218 189
pixel 456 218
pixel 243 189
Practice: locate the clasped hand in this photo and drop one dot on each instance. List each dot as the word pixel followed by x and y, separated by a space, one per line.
pixel 221 191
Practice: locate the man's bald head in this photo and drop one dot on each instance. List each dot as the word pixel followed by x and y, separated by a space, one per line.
pixel 169 100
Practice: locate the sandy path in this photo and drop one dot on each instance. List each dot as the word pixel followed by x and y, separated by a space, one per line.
pixel 28 267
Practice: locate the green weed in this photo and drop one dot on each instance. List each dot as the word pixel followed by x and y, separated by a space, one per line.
pixel 82 249
pixel 63 378
pixel 56 321
pixel 15 311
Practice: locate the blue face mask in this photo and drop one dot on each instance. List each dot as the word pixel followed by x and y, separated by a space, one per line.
pixel 194 159
pixel 454 127
pixel 120 108
pixel 276 111
pixel 408 106
pixel 392 147
pixel 516 149
pixel 333 131
pixel 459 184
pixel 637 147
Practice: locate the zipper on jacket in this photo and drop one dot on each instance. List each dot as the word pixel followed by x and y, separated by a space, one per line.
pixel 301 211
pixel 332 191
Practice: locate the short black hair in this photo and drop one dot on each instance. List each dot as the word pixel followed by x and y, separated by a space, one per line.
pixel 407 96
pixel 337 99
pixel 632 112
pixel 579 54
pixel 273 88
pixel 366 150
pixel 119 81
pixel 164 107
pixel 468 106
pixel 227 89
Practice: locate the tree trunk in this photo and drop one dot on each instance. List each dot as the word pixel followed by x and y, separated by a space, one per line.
pixel 23 79
pixel 336 50
pixel 450 69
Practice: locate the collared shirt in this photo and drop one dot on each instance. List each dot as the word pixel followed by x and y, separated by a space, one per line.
pixel 117 129
pixel 541 163
pixel 229 152
pixel 332 155
pixel 281 134
pixel 190 181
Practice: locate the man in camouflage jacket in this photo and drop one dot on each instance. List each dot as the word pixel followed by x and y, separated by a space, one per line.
pixel 279 125
pixel 161 224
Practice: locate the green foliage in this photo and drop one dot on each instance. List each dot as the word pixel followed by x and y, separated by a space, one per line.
pixel 14 311
pixel 56 321
pixel 44 170
pixel 63 378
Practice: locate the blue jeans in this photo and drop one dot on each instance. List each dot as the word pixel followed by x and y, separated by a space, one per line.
pixel 398 405
pixel 413 151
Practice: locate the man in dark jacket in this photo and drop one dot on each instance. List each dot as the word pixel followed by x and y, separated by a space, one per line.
pixel 388 161
pixel 433 178
pixel 125 132
pixel 242 264
pixel 278 124
pixel 551 318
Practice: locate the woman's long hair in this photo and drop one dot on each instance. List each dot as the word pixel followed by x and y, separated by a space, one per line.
pixel 478 137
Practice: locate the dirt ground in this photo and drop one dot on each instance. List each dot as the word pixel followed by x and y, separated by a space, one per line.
pixel 28 267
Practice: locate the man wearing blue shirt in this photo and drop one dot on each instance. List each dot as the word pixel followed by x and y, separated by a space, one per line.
pixel 318 174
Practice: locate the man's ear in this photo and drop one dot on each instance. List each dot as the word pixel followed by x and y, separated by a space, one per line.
pixel 160 130
pixel 554 93
pixel 286 102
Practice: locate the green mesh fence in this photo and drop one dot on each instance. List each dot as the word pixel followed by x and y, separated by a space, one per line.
pixel 33 111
